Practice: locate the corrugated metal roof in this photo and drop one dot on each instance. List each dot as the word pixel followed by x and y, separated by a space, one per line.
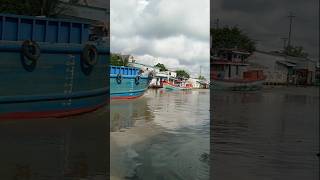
pixel 98 4
pixel 95 10
pixel 286 63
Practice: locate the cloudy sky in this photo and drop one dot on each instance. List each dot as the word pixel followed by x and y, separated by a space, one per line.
pixel 266 21
pixel 172 32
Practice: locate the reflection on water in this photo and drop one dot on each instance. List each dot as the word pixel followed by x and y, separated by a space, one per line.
pixel 124 114
pixel 162 135
pixel 269 134
pixel 55 149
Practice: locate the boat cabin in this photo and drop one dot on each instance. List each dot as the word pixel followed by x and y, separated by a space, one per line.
pixel 232 55
pixel 233 64
pixel 229 64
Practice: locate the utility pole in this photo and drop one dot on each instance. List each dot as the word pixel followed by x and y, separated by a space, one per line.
pixel 284 42
pixel 200 71
pixel 217 23
pixel 44 4
pixel 291 16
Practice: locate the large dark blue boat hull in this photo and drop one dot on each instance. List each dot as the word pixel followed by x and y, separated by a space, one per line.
pixel 58 84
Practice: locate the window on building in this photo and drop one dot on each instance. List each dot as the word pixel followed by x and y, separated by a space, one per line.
pixel 229 56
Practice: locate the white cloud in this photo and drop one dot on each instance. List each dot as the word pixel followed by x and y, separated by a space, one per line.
pixel 172 32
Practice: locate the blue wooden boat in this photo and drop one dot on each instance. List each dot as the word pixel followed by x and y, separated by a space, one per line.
pixel 128 82
pixel 50 67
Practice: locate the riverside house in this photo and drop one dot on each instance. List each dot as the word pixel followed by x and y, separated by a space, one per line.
pixel 282 69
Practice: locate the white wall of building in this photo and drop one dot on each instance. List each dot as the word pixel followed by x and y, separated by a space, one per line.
pixel 275 72
pixel 195 82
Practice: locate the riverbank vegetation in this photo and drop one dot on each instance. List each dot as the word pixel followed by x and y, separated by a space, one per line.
pixel 49 8
pixel 231 37
pixel 201 78
pixel 295 51
pixel 161 67
pixel 119 60
pixel 182 74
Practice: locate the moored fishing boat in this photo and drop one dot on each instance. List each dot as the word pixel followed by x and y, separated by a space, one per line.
pixel 128 82
pixel 168 85
pixel 171 86
pixel 50 67
pixel 231 71
pixel 238 84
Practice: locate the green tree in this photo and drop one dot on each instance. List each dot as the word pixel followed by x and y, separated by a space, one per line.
pixel 162 67
pixel 296 51
pixel 119 60
pixel 201 78
pixel 47 8
pixel 182 74
pixel 231 38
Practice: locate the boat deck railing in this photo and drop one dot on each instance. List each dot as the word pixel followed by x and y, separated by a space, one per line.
pixel 124 70
pixel 42 29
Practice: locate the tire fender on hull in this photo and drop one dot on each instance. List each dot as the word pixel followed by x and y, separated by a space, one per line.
pixel 90 55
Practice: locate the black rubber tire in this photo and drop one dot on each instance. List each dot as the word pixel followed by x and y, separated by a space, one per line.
pixel 137 80
pixel 119 78
pixel 150 76
pixel 30 50
pixel 90 55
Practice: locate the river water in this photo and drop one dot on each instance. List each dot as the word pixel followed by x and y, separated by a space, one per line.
pixel 162 135
pixel 269 134
pixel 70 148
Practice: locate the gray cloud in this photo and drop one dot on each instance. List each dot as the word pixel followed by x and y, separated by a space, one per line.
pixel 165 31
pixel 267 22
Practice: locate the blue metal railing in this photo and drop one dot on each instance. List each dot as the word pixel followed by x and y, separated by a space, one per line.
pixel 40 29
pixel 123 70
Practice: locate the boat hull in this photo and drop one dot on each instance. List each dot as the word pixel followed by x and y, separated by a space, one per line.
pixel 173 87
pixel 127 89
pixel 237 85
pixel 169 87
pixel 57 85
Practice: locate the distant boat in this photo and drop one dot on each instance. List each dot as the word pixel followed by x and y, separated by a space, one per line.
pixel 50 67
pixel 231 71
pixel 239 84
pixel 171 86
pixel 128 82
